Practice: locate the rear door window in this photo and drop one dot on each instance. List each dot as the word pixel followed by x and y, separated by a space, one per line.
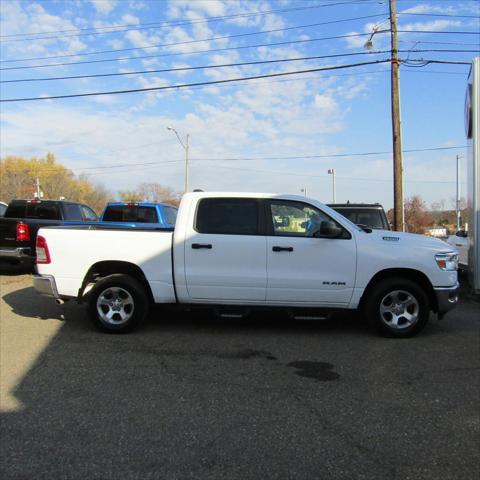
pixel 72 211
pixel 228 216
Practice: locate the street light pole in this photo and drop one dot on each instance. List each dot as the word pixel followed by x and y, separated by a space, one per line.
pixel 186 147
pixel 457 209
pixel 332 172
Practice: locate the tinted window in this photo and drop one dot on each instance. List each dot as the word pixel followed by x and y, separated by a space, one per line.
pixel 3 208
pixel 130 213
pixel 170 215
pixel 296 219
pixel 15 210
pixel 72 211
pixel 230 216
pixel 42 210
pixel 364 216
pixel 88 214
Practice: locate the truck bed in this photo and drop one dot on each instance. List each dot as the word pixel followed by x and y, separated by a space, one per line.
pixel 74 250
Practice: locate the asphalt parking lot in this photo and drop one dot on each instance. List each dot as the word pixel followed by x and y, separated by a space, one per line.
pixel 196 397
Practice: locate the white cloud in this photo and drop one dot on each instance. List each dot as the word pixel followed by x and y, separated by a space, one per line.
pixel 17 17
pixel 104 7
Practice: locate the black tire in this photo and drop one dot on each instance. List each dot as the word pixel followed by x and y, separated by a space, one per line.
pixel 384 304
pixel 123 298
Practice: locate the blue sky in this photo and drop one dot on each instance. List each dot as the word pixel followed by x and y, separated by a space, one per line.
pixel 122 140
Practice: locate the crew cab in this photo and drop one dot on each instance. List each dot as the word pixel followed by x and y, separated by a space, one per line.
pixel 23 218
pixel 250 250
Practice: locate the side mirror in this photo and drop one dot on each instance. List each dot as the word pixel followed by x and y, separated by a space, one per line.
pixel 461 233
pixel 328 230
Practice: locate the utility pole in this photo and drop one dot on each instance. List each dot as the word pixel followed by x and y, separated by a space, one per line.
pixel 457 210
pixel 331 171
pixel 37 193
pixel 398 219
pixel 187 146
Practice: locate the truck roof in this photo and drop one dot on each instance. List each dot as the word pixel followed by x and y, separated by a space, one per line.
pixel 140 204
pixel 283 196
pixel 355 205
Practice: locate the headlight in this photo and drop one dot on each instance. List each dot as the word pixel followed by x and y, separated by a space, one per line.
pixel 447 261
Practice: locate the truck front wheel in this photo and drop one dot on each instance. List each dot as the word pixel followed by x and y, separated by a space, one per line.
pixel 118 303
pixel 397 307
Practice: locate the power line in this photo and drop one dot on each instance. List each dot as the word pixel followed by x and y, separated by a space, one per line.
pixel 304 157
pixel 361 179
pixel 438 15
pixel 238 64
pixel 189 42
pixel 152 25
pixel 336 155
pixel 201 67
pixel 441 32
pixel 186 85
pixel 416 42
pixel 141 57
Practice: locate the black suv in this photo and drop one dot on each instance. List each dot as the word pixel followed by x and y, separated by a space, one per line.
pixel 370 215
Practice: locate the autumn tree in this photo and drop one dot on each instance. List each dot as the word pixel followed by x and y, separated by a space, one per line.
pixel 417 218
pixel 151 192
pixel 18 178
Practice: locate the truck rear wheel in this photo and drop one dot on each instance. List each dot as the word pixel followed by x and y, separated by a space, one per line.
pixel 118 303
pixel 397 307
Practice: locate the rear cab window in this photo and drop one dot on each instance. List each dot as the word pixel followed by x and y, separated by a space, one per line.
pixel 43 210
pixel 228 216
pixel 130 213
pixel 16 210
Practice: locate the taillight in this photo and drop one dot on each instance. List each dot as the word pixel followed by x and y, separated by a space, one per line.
pixel 23 233
pixel 43 255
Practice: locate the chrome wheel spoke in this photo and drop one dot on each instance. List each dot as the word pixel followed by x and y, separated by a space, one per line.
pixel 399 309
pixel 115 306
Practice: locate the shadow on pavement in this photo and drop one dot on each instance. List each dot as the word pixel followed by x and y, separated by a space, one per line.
pixel 195 396
pixel 27 303
pixel 11 269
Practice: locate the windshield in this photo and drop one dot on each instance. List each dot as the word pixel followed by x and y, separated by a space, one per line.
pixel 364 216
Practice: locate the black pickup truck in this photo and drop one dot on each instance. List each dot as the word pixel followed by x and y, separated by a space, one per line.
pixel 23 218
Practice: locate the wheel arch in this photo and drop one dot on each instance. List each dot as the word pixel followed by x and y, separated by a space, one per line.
pixel 408 273
pixel 104 268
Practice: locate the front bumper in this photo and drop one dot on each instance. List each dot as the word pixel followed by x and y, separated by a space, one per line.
pixel 447 298
pixel 20 254
pixel 45 285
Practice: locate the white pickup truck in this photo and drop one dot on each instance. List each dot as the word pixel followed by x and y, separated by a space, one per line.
pixel 244 250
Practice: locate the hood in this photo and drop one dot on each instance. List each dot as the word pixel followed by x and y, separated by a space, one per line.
pixel 413 240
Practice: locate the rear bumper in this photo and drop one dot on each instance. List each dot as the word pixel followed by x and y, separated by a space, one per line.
pixel 45 285
pixel 447 298
pixel 20 254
